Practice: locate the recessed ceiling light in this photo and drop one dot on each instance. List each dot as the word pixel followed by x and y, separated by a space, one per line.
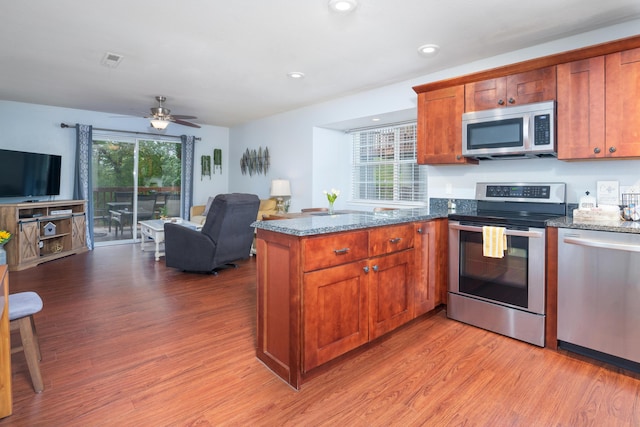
pixel 375 119
pixel 429 50
pixel 295 75
pixel 342 5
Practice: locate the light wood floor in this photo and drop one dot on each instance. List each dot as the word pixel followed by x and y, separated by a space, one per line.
pixel 127 342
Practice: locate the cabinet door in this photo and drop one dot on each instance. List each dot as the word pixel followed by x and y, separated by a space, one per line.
pixel 623 103
pixel 28 238
pixel 531 86
pixel 431 265
pixel 440 127
pixel 335 316
pixel 485 94
pixel 78 233
pixel 517 89
pixel 581 120
pixel 391 292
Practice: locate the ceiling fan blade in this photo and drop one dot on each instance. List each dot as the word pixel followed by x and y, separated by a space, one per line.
pixel 179 116
pixel 182 122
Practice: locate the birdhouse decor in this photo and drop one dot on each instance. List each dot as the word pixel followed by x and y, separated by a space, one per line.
pixel 49 229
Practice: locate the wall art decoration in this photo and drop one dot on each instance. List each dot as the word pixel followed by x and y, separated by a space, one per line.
pixel 255 161
pixel 205 167
pixel 217 160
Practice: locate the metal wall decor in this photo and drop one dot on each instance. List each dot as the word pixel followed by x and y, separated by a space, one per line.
pixel 255 161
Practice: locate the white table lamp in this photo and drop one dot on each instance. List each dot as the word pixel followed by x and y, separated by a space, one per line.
pixel 280 188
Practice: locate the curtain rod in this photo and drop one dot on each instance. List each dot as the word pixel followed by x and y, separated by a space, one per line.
pixel 64 125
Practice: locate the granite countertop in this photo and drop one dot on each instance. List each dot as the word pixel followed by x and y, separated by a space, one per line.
pixel 322 223
pixel 615 226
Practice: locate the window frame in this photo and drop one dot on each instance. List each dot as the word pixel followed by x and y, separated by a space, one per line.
pixel 368 148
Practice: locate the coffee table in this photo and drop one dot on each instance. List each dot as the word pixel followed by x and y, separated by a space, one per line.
pixel 154 230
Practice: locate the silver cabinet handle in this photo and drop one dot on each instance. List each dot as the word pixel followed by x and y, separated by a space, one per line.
pixel 341 251
pixel 519 233
pixel 366 268
pixel 602 244
pixel 395 240
pixel 375 268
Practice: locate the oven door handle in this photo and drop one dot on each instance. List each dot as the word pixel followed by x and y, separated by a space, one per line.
pixel 508 232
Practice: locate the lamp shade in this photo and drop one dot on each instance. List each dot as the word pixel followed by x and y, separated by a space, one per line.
pixel 280 188
pixel 159 124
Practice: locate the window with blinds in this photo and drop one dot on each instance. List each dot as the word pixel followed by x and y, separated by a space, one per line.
pixel 385 166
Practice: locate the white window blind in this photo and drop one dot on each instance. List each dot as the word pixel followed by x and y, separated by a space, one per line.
pixel 385 167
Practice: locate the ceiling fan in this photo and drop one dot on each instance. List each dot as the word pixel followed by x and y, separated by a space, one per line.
pixel 161 116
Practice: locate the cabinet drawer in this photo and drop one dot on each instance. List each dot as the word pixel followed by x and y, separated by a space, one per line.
pixel 336 249
pixel 384 240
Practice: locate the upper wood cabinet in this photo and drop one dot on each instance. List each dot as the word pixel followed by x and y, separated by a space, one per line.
pixel 599 107
pixel 581 109
pixel 622 103
pixel 440 127
pixel 517 89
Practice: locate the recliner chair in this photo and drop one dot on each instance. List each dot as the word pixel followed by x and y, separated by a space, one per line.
pixel 226 235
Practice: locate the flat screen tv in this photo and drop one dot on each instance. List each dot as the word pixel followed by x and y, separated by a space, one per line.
pixel 25 174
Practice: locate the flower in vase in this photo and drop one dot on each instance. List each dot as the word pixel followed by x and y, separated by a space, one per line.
pixel 332 195
pixel 5 236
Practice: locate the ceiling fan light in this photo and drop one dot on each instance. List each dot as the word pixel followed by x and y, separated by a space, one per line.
pixel 159 124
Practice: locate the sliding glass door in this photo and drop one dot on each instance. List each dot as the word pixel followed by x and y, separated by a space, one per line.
pixel 133 180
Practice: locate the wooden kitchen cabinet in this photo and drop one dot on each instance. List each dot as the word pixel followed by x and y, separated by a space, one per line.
pixel 391 292
pixel 348 305
pixel 622 104
pixel 599 107
pixel 322 296
pixel 580 109
pixel 430 265
pixel 391 283
pixel 335 312
pixel 440 127
pixel 516 89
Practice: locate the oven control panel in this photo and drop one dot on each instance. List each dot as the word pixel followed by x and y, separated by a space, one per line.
pixel 551 192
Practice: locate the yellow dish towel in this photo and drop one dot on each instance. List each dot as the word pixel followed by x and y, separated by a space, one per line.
pixel 494 241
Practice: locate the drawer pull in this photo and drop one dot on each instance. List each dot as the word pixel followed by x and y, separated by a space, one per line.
pixel 341 251
pixel 375 268
pixel 366 268
pixel 395 240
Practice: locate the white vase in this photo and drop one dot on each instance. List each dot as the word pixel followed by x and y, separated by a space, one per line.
pixel 3 254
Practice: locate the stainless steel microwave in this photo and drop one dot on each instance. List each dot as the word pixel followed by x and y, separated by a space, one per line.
pixel 511 132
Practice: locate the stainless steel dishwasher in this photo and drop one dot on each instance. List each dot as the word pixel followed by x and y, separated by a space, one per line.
pixel 599 295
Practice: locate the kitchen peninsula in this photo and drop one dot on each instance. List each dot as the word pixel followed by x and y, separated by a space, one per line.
pixel 329 284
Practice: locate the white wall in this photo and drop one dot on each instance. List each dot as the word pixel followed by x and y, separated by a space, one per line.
pixel 36 128
pixel 293 137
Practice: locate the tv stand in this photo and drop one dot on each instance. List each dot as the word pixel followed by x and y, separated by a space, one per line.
pixel 43 231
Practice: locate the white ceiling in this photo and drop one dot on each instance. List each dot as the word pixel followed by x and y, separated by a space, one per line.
pixel 226 61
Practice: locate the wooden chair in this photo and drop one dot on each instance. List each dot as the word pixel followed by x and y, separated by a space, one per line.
pixel 22 307
pixel 315 210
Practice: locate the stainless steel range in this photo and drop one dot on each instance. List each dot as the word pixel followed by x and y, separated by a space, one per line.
pixel 504 294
